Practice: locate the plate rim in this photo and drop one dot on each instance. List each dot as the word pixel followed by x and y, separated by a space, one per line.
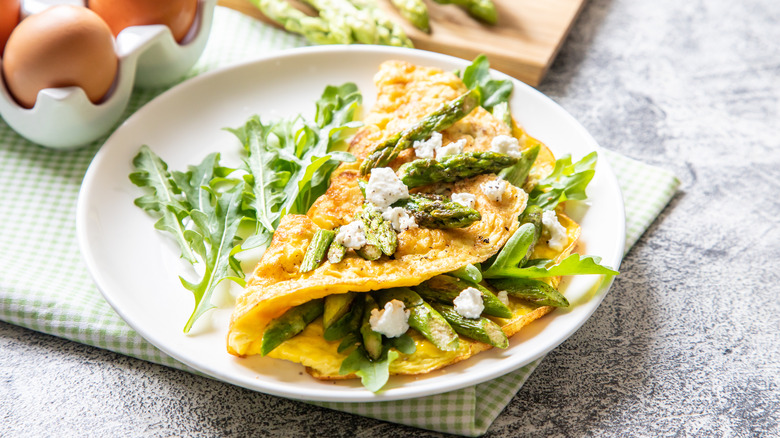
pixel 357 396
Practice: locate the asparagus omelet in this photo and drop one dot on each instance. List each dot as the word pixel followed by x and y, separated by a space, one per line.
pixel 412 259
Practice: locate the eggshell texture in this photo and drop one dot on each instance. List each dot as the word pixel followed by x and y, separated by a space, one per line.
pixel 62 46
pixel 9 18
pixel 178 15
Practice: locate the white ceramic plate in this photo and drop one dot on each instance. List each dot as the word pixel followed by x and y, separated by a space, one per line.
pixel 137 268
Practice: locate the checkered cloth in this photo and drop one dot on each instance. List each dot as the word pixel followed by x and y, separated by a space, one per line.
pixel 45 286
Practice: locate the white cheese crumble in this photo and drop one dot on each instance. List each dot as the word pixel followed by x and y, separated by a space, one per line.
pixel 433 148
pixel 468 303
pixel 494 190
pixel 392 321
pixel 503 296
pixel 453 148
pixel 384 187
pixel 464 199
pixel 427 148
pixel 399 218
pixel 507 145
pixel 558 237
pixel 352 235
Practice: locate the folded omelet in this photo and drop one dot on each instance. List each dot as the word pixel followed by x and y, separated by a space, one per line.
pixel 406 94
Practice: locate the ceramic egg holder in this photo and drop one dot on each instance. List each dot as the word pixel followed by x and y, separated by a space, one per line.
pixel 148 56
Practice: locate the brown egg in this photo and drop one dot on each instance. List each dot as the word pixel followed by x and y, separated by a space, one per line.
pixel 9 18
pixel 62 46
pixel 178 15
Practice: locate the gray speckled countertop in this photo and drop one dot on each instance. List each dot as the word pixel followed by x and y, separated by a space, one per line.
pixel 686 343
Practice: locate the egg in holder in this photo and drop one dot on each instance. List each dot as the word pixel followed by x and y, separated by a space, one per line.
pixel 147 56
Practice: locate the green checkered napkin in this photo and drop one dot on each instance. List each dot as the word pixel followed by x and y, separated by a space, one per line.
pixel 44 285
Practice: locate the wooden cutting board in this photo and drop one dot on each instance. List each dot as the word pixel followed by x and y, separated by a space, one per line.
pixel 523 43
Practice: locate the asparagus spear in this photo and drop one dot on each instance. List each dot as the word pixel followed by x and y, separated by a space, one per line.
pixel 289 324
pixel 434 211
pixel 379 232
pixel 442 118
pixel 336 251
pixel 369 251
pixel 445 288
pixel 415 11
pixel 372 341
pixel 517 174
pixel 533 215
pixel 335 307
pixel 480 329
pixel 532 290
pixel 452 168
pixel 423 317
pixel 483 10
pixel 348 323
pixel 316 251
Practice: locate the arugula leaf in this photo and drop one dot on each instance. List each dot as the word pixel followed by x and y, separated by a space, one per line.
pixel 163 198
pixel 264 182
pixel 374 374
pixel 492 91
pixel 567 181
pixel 574 264
pixel 289 161
pixel 512 253
pixel 206 174
pixel 213 239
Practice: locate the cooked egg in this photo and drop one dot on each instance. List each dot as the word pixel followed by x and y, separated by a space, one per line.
pixel 178 15
pixel 62 46
pixel 9 18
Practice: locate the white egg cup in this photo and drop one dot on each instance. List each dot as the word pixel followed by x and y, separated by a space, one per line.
pixel 149 56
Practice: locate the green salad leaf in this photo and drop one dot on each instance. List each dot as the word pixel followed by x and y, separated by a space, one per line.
pixel 287 165
pixel 289 161
pixel 213 239
pixel 214 216
pixel 494 92
pixel 567 181
pixel 375 373
pixel 512 253
pixel 574 264
pixel 162 199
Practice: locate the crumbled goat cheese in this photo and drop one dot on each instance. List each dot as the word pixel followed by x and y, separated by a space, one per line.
pixel 427 148
pixel 453 148
pixel 384 187
pixel 464 199
pixel 503 296
pixel 399 218
pixel 494 190
pixel 352 235
pixel 504 144
pixel 468 303
pixel 558 237
pixel 392 321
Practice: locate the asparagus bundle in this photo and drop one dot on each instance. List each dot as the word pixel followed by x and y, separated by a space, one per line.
pixel 339 22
